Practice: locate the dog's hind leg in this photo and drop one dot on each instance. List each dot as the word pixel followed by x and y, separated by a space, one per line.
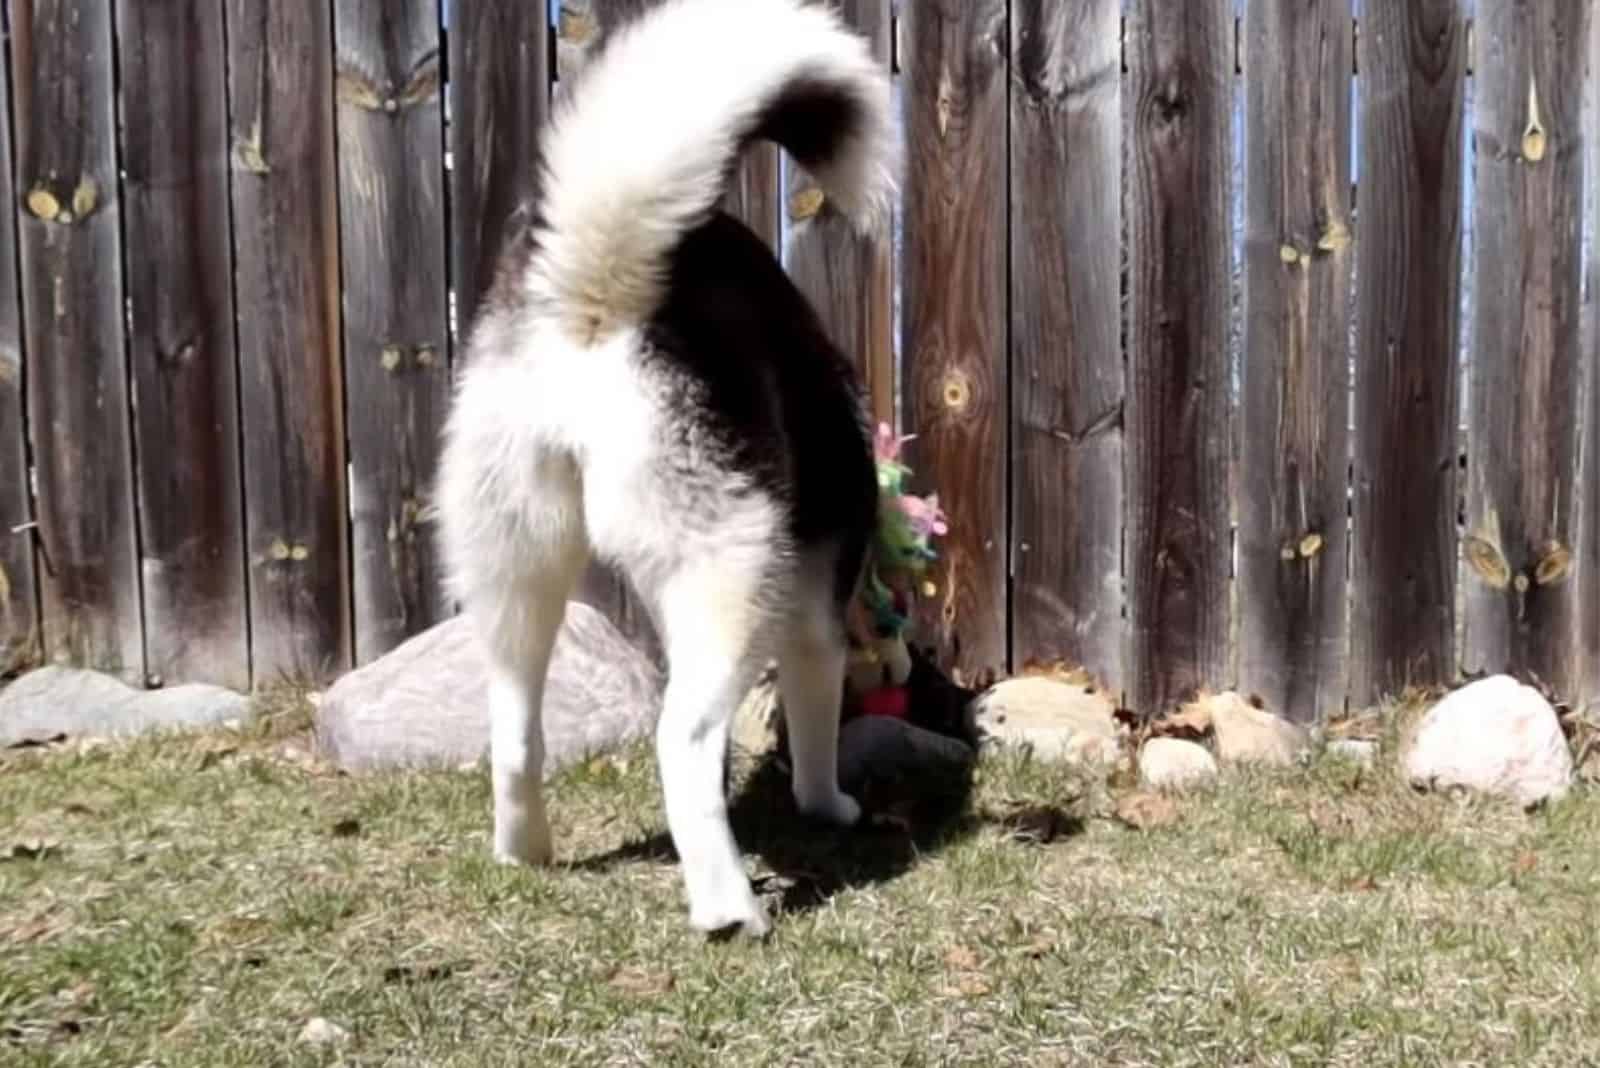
pixel 518 590
pixel 714 628
pixel 811 667
pixel 519 663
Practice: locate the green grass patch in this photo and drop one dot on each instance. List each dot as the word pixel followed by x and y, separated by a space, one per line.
pixel 196 900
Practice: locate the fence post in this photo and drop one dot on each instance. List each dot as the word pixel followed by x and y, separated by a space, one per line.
pixel 1294 439
pixel 173 70
pixel 285 209
pixel 1525 384
pixel 19 605
pixel 1066 334
pixel 1412 84
pixel 392 223
pixel 70 237
pixel 1589 557
pixel 956 378
pixel 847 278
pixel 1178 103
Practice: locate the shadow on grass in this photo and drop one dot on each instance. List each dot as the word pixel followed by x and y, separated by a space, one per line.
pixel 804 862
pixel 905 820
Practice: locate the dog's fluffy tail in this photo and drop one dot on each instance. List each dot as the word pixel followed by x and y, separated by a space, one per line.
pixel 643 148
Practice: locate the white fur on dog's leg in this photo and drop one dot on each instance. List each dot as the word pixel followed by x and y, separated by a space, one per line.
pixel 516 754
pixel 522 635
pixel 690 745
pixel 811 679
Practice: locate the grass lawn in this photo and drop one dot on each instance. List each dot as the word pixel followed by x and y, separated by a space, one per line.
pixel 197 900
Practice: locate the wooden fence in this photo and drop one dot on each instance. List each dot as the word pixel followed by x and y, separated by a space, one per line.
pixel 1247 343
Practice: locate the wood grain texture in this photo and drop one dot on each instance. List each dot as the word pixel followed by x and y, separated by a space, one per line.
pixel 1589 557
pixel 19 602
pixel 1066 308
pixel 848 278
pixel 499 97
pixel 756 191
pixel 1294 440
pixel 173 67
pixel 1178 96
pixel 396 317
pixel 954 313
pixel 1522 456
pixel 285 208
pixel 1410 202
pixel 70 236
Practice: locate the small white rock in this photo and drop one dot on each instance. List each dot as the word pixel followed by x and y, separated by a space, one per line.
pixel 1175 763
pixel 1361 751
pixel 1496 736
pixel 322 1032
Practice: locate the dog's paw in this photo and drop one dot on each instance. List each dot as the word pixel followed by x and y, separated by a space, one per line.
pixel 524 844
pixel 738 914
pixel 838 808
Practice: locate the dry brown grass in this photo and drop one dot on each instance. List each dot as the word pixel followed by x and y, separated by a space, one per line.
pixel 196 900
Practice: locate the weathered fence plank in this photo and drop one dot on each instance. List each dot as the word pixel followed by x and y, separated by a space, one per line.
pixel 846 277
pixel 181 344
pixel 1522 456
pixel 1066 330
pixel 1294 445
pixel 285 201
pixel 1589 557
pixel 396 316
pixel 499 96
pixel 954 312
pixel 19 604
pixel 1180 69
pixel 1413 58
pixel 65 116
pixel 756 192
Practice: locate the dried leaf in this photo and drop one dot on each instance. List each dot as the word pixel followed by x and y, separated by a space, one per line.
pixel 1147 811
pixel 641 982
pixel 1038 824
pixel 424 973
pixel 970 985
pixel 960 958
pixel 33 849
pixel 1192 722
pixel 216 755
pixel 1526 861
pixel 38 743
pixel 33 930
pixel 1366 884
pixel 1058 671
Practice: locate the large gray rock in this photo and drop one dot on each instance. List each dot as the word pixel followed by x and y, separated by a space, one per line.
pixel 1495 736
pixel 425 704
pixel 55 701
pixel 1055 720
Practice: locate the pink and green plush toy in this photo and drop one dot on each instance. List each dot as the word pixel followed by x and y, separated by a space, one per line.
pixel 901 550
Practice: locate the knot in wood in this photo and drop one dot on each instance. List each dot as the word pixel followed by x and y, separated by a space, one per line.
pixel 956 391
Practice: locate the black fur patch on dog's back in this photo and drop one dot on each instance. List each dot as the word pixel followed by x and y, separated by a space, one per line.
pixel 767 386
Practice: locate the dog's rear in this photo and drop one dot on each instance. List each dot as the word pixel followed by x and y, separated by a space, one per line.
pixel 646 386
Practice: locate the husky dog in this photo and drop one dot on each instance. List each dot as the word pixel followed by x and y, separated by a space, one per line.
pixel 646 387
